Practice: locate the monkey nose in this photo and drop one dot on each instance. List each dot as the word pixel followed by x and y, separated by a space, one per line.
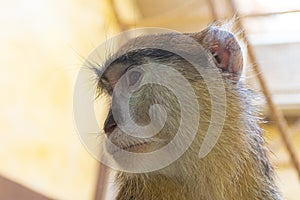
pixel 109 124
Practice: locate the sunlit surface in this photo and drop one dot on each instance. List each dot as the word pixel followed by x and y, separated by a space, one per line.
pixel 41 47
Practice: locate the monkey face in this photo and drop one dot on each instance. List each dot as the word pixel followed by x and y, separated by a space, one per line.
pixel 156 94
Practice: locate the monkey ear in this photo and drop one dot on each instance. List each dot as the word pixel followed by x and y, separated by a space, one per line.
pixel 226 51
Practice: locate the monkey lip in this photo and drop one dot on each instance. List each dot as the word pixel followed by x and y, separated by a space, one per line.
pixel 134 147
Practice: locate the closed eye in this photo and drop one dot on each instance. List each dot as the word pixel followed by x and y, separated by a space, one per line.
pixel 134 76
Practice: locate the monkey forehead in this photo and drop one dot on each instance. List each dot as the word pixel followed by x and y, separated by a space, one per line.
pixel 169 42
pixel 156 47
pixel 167 48
pixel 159 47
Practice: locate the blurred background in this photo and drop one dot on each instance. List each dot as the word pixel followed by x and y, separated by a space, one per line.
pixel 42 46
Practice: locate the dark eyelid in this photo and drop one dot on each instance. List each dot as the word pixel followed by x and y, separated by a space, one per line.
pixel 104 80
pixel 105 84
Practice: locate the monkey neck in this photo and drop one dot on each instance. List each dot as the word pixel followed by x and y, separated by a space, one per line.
pixel 148 187
pixel 237 167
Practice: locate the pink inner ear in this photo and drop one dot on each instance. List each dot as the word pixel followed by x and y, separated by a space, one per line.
pixel 227 51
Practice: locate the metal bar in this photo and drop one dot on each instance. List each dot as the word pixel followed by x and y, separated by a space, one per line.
pixel 269 14
pixel 213 10
pixel 102 182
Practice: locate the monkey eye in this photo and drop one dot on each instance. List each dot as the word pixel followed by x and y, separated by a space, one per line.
pixel 134 76
pixel 105 83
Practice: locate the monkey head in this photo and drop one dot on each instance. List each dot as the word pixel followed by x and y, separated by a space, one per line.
pixel 149 85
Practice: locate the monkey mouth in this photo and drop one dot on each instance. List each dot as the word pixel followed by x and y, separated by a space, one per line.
pixel 143 147
pixel 135 147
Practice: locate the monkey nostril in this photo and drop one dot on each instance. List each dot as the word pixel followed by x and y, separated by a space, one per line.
pixel 109 124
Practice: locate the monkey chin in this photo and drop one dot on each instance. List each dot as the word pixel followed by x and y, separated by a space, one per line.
pixel 133 157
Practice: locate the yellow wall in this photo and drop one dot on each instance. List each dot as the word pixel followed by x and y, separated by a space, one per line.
pixel 41 44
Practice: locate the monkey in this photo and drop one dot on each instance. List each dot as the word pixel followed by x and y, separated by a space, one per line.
pixel 237 167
